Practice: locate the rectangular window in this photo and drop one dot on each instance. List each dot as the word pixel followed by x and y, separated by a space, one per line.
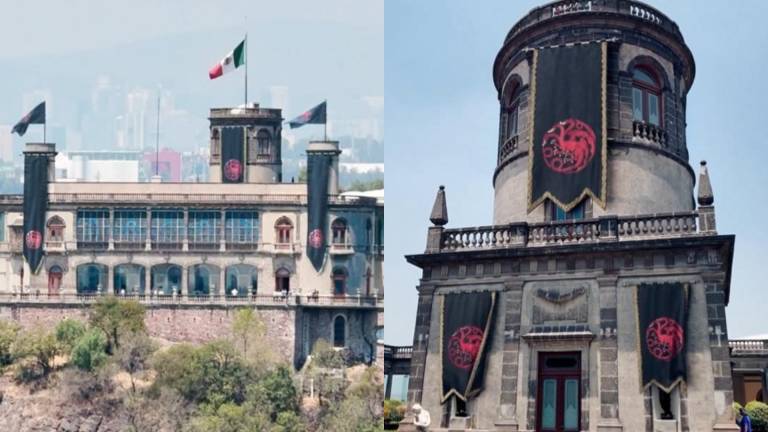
pixel 130 226
pixel 167 226
pixel 653 109
pixel 575 213
pixel 637 104
pixel 93 227
pixel 204 228
pixel 241 226
pixel 512 122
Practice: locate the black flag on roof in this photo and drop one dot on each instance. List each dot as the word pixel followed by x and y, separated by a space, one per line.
pixel 314 116
pixel 36 116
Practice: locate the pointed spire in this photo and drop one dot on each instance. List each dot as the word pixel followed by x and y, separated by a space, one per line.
pixel 705 197
pixel 439 215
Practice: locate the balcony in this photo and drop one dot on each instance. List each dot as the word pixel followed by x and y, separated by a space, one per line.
pixel 508 148
pixel 362 302
pixel 748 346
pixel 344 248
pixel 604 229
pixel 650 133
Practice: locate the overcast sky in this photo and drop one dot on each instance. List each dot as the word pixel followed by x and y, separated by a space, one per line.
pixel 442 123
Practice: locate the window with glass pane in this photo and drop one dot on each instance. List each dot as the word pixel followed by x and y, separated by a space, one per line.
pixel 167 226
pixel 204 227
pixel 130 226
pixel 263 138
pixel 241 226
pixel 646 97
pixel 653 109
pixel 92 226
pixel 549 404
pixel 339 231
pixel 575 213
pixel 571 415
pixel 637 104
pixel 512 121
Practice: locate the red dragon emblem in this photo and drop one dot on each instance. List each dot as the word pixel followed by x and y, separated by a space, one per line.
pixel 464 346
pixel 316 238
pixel 568 146
pixel 34 239
pixel 665 338
pixel 232 170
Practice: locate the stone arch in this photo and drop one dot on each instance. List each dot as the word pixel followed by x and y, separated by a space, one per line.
pixel 91 278
pixel 512 89
pixel 339 331
pixel 241 280
pixel 203 280
pixel 648 62
pixel 129 279
pixel 55 229
pixel 166 279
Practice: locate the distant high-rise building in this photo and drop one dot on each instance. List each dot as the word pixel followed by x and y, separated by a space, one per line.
pixel 6 144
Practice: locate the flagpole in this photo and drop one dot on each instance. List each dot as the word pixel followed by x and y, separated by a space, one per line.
pixel 325 124
pixel 246 65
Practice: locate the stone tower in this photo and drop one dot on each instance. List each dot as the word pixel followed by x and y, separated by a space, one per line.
pixel 565 339
pixel 261 147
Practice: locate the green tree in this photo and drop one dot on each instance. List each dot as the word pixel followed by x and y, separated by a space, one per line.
pixel 38 346
pixel 116 317
pixel 324 355
pixel 8 333
pixel 214 373
pixel 134 353
pixel 68 331
pixel 248 334
pixel 275 393
pixel 362 186
pixel 288 421
pixel 228 417
pixel 89 351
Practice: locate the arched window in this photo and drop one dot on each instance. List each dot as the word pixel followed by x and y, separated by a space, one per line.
pixel 242 279
pixel 282 280
pixel 166 279
pixel 511 113
pixel 55 274
pixel 283 231
pixel 646 96
pixel 339 232
pixel 55 228
pixel 129 279
pixel 203 280
pixel 263 139
pixel 339 281
pixel 91 278
pixel 339 331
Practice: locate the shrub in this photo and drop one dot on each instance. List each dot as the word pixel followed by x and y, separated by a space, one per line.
pixel 758 412
pixel 274 393
pixel 68 332
pixel 115 317
pixel 89 351
pixel 8 333
pixel 394 411
pixel 38 346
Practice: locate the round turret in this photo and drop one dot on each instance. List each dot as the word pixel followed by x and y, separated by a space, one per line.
pixel 648 72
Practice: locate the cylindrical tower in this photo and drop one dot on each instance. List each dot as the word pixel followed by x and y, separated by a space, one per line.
pixel 260 153
pixel 649 70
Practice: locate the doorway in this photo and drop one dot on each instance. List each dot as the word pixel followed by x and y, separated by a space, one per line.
pixel 558 400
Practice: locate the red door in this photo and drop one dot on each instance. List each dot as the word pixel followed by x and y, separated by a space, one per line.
pixel 558 400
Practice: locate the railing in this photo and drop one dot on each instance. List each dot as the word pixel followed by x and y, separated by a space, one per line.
pixel 649 132
pixel 748 346
pixel 278 298
pixel 567 7
pixel 604 229
pixel 509 147
pixel 398 352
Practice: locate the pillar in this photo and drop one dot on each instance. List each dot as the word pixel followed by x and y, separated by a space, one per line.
pixel 512 308
pixel 608 359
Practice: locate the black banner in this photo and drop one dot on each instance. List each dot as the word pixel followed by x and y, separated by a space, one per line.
pixel 36 116
pixel 662 328
pixel 567 156
pixel 466 329
pixel 35 206
pixel 232 154
pixel 316 115
pixel 318 171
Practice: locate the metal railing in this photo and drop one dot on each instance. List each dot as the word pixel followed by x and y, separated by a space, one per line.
pixel 603 229
pixel 278 298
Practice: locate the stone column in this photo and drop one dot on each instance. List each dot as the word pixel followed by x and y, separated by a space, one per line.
pixel 185 235
pixel 108 234
pixel 512 309
pixel 608 363
pixel 148 236
pixel 183 289
pixel 419 357
pixel 109 285
pixel 222 230
pixel 718 346
pixel 148 280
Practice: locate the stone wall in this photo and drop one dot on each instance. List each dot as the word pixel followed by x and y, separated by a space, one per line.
pixel 203 323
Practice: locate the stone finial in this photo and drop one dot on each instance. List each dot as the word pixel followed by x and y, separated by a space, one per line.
pixel 439 215
pixel 705 196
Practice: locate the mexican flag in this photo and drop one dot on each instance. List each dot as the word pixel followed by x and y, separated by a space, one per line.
pixel 232 61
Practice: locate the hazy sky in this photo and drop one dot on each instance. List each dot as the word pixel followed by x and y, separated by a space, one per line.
pixel 331 49
pixel 442 123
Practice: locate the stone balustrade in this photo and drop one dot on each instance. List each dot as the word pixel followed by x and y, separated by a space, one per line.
pixel 345 301
pixel 748 346
pixel 509 147
pixel 649 132
pixel 603 229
